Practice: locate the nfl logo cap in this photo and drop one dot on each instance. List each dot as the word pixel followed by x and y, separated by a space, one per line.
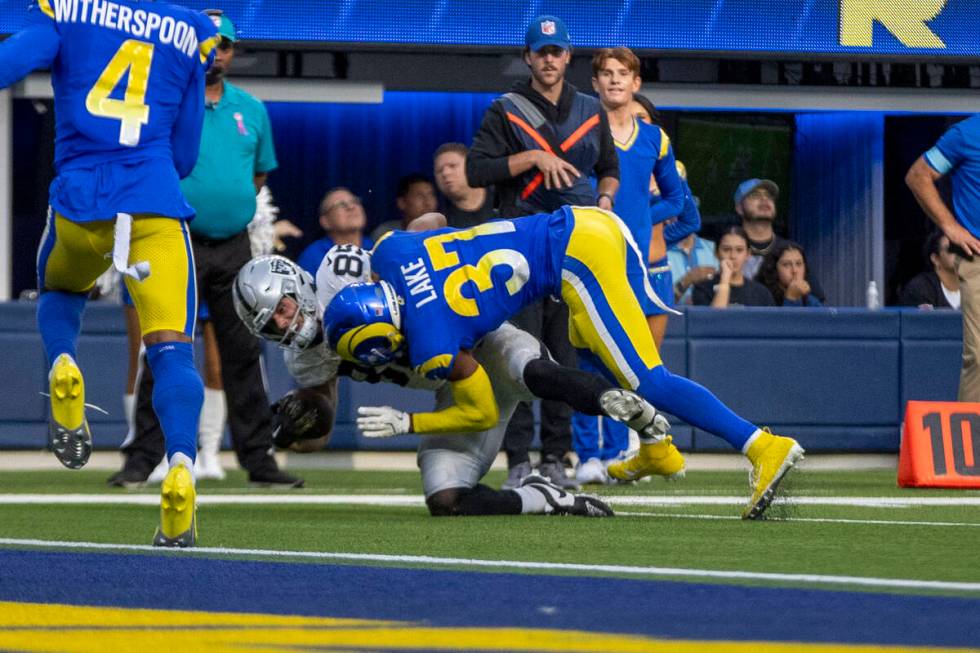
pixel 750 185
pixel 226 29
pixel 547 30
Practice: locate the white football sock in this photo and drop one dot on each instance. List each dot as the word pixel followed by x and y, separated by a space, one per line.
pixel 182 459
pixel 129 406
pixel 211 426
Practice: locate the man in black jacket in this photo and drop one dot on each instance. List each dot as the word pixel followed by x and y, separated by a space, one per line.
pixel 536 146
pixel 940 286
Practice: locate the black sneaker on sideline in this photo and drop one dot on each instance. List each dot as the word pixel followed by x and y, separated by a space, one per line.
pixel 274 478
pixel 516 476
pixel 130 478
pixel 554 471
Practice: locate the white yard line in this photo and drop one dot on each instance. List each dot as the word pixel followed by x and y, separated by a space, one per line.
pixel 673 572
pixel 296 498
pixel 21 461
pixel 886 522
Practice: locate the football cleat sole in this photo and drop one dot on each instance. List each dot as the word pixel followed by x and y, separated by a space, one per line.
pixel 757 508
pixel 69 435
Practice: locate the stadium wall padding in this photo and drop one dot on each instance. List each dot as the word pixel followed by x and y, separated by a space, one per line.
pixel 836 378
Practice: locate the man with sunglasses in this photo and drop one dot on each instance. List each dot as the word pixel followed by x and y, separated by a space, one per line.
pixel 236 156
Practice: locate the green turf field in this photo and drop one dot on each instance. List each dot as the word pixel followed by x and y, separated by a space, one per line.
pixel 805 536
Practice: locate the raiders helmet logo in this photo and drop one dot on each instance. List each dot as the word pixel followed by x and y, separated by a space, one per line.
pixel 280 266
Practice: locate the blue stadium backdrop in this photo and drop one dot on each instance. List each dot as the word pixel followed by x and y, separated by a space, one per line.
pixel 835 27
pixel 365 147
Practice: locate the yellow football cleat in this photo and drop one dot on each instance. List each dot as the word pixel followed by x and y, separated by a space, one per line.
pixel 771 456
pixel 68 432
pixel 661 458
pixel 178 509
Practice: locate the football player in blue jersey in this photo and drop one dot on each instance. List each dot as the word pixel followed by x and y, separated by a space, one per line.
pixel 128 82
pixel 439 292
pixel 276 300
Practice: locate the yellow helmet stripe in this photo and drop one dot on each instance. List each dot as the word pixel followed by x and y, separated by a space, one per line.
pixel 207 45
pixel 45 6
pixel 351 340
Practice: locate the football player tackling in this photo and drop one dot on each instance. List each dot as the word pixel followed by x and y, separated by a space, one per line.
pixel 440 292
pixel 276 301
pixel 128 83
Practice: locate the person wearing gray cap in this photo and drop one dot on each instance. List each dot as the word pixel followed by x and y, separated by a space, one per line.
pixel 755 204
pixel 537 145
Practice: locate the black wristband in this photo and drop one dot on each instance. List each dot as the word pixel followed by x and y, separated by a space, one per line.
pixel 612 200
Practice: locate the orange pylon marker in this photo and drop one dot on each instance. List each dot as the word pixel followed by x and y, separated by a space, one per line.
pixel 940 445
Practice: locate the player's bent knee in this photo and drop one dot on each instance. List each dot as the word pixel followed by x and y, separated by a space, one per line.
pixel 443 503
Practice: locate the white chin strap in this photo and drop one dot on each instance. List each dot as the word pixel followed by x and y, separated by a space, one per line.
pixel 120 250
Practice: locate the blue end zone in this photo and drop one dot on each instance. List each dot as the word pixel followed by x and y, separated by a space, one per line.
pixel 454 599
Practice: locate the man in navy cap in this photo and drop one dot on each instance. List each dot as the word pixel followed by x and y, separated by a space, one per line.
pixel 537 146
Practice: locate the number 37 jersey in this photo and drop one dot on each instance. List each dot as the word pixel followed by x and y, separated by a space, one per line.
pixel 457 285
pixel 128 82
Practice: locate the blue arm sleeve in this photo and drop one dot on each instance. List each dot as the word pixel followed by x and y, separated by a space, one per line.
pixel 949 150
pixel 671 187
pixel 33 47
pixel 186 137
pixel 688 220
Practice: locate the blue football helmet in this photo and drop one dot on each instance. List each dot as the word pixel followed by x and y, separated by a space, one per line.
pixel 363 322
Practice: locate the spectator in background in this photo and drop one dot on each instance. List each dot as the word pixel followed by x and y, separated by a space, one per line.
pixel 416 197
pixel 755 204
pixel 646 163
pixel 465 206
pixel 692 260
pixel 537 146
pixel 958 153
pixel 685 250
pixel 938 287
pixel 783 272
pixel 236 155
pixel 732 288
pixel 342 219
pixel 644 110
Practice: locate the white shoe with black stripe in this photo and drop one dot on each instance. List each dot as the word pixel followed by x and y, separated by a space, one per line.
pixel 561 502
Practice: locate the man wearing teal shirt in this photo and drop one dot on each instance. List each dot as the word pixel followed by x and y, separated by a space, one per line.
pixel 235 158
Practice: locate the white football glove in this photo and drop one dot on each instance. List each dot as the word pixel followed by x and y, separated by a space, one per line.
pixel 382 422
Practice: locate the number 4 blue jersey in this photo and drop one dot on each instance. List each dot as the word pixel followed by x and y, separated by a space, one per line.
pixel 128 82
pixel 459 284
